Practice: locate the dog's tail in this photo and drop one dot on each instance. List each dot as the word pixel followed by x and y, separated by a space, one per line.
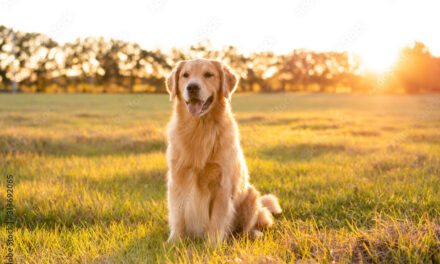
pixel 269 205
pixel 270 201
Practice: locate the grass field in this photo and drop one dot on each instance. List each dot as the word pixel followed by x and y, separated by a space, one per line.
pixel 358 178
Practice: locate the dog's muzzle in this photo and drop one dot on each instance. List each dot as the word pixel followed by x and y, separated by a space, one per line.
pixel 197 107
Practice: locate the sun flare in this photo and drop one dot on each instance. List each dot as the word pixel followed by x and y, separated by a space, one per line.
pixel 379 60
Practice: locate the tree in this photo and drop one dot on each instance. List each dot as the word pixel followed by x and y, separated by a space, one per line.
pixel 418 70
pixel 97 64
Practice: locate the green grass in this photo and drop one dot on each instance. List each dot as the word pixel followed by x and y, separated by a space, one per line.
pixel 358 178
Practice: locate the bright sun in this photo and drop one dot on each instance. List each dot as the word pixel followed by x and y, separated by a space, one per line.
pixel 379 60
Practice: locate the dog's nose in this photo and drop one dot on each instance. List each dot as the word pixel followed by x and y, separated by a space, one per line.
pixel 193 88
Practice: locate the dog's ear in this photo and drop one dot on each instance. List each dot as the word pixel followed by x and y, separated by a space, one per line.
pixel 173 80
pixel 229 80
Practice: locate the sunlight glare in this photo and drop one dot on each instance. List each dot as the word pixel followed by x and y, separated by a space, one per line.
pixel 379 60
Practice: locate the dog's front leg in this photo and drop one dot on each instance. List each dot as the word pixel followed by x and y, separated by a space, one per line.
pixel 176 214
pixel 221 213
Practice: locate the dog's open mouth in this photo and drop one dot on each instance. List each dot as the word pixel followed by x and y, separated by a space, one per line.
pixel 197 107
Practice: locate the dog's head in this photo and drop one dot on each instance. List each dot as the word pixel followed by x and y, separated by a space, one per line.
pixel 199 83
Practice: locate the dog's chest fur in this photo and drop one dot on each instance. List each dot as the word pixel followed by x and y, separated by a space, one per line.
pixel 196 171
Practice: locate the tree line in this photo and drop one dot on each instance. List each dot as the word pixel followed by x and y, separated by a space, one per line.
pixel 33 62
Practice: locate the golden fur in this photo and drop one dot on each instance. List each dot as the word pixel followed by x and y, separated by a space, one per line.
pixel 209 195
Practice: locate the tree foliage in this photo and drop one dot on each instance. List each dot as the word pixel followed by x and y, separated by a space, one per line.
pixel 37 63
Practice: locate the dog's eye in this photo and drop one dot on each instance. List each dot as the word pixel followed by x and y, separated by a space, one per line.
pixel 208 75
pixel 185 75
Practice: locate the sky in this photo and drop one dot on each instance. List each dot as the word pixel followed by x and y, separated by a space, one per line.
pixel 374 29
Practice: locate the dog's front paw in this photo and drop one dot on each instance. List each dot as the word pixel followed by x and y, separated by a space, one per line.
pixel 215 238
pixel 172 238
pixel 256 234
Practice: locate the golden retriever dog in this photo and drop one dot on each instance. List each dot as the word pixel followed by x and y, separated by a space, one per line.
pixel 209 194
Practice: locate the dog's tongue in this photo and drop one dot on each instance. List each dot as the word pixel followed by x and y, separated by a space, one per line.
pixel 195 107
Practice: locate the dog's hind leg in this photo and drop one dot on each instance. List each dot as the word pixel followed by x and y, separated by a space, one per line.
pixel 248 211
pixel 255 211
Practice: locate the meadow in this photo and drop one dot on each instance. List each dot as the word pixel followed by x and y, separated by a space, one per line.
pixel 358 178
